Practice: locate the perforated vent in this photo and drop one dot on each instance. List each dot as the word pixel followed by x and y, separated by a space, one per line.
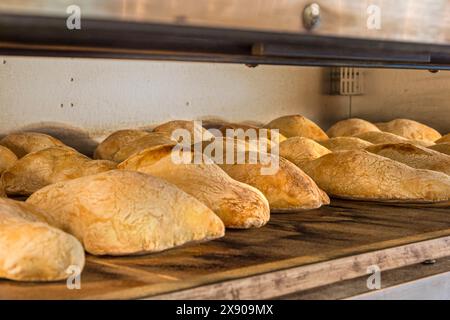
pixel 347 81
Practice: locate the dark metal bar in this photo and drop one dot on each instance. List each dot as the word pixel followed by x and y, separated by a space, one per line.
pixel 48 36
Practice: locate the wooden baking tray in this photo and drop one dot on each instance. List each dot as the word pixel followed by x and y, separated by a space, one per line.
pixel 294 252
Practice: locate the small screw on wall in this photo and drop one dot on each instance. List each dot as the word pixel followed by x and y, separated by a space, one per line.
pixel 311 16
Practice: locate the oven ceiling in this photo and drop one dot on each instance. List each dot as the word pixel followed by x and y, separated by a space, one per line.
pixel 384 33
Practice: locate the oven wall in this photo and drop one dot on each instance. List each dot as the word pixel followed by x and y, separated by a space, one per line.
pixel 415 94
pixel 82 100
pixel 88 98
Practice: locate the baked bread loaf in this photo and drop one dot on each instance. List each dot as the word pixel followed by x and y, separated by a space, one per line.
pixel 7 159
pixel 351 127
pixel 414 156
pixel 122 212
pixel 39 169
pixel 30 249
pixel 115 141
pixel 410 129
pixel 300 149
pixel 245 127
pixel 23 143
pixel 289 189
pixel 444 139
pixel 152 139
pixel 297 125
pixel 361 175
pixel 169 127
pixel 441 147
pixel 238 205
pixel 386 137
pixel 345 143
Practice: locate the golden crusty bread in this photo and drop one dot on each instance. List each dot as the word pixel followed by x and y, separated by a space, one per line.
pixel 2 191
pixel 152 139
pixel 245 127
pixel 22 143
pixel 441 147
pixel 351 127
pixel 345 143
pixel 297 125
pixel 414 156
pixel 410 129
pixel 289 189
pixel 115 141
pixel 30 249
pixel 300 149
pixel 386 137
pixel 122 212
pixel 237 204
pixel 7 159
pixel 194 130
pixel 361 175
pixel 444 139
pixel 39 169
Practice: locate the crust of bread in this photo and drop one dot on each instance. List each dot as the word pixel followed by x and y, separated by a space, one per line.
pixel 345 143
pixel 386 137
pixel 245 127
pixel 7 158
pixel 361 175
pixel 152 139
pixel 410 129
pixel 414 156
pixel 238 205
pixel 23 143
pixel 122 212
pixel 444 139
pixel 299 150
pixel 351 127
pixel 297 125
pixel 441 147
pixel 39 169
pixel 30 249
pixel 116 140
pixel 289 189
pixel 170 126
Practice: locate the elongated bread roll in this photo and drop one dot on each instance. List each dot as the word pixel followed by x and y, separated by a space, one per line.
pixel 351 127
pixel 171 126
pixel 444 139
pixel 153 139
pixel 122 212
pixel 441 147
pixel 361 175
pixel 115 141
pixel 297 125
pixel 23 143
pixel 299 150
pixel 414 156
pixel 345 143
pixel 386 137
pixel 288 189
pixel 39 169
pixel 30 249
pixel 237 204
pixel 410 129
pixel 7 159
pixel 259 132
